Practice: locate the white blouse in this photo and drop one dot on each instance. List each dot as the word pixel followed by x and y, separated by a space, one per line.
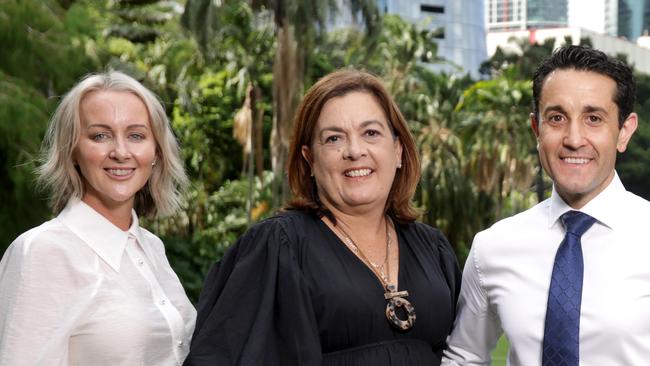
pixel 77 290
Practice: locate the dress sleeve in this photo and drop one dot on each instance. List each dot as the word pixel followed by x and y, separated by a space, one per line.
pixel 449 266
pixel 39 289
pixel 255 307
pixel 477 328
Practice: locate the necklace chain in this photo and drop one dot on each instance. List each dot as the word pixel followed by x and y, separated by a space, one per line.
pixel 395 299
pixel 382 271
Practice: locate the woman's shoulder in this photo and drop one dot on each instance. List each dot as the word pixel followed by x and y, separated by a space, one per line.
pixel 47 252
pixel 287 229
pixel 292 224
pixel 419 234
pixel 424 233
pixel 50 237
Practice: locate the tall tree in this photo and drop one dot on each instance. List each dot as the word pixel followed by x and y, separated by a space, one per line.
pixel 44 52
pixel 298 24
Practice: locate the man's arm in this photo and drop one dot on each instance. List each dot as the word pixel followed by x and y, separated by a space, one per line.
pixel 477 327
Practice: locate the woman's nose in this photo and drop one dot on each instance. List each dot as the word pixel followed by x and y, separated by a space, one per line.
pixel 120 150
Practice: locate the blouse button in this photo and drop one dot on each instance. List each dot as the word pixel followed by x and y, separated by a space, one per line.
pixel 180 343
pixel 163 302
pixel 140 262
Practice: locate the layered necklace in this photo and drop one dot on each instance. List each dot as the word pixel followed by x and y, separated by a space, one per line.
pixel 395 299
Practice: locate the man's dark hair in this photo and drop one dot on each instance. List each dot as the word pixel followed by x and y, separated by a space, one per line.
pixel 583 58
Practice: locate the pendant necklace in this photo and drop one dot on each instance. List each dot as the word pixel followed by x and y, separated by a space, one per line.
pixel 396 299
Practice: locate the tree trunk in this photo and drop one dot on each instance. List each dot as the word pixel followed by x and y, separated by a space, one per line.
pixel 288 76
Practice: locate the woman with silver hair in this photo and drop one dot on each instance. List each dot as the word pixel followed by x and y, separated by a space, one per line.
pixel 92 287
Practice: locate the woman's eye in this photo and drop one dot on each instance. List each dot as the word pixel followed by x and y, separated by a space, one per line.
pixel 136 137
pixel 99 136
pixel 372 133
pixel 331 139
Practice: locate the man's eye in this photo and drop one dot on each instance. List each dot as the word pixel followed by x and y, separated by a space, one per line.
pixel 332 139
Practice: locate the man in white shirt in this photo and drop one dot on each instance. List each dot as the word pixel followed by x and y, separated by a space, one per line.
pixel 598 310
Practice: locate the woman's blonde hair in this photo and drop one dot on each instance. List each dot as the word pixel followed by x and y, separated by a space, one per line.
pixel 58 174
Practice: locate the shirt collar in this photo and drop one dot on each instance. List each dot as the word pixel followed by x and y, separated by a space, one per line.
pixel 603 207
pixel 102 236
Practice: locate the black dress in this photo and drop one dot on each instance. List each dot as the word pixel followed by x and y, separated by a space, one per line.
pixel 289 292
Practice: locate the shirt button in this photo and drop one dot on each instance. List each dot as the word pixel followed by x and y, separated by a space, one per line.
pixel 163 302
pixel 180 343
pixel 140 262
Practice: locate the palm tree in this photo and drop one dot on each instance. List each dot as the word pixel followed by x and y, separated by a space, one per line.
pixel 297 24
pixel 500 145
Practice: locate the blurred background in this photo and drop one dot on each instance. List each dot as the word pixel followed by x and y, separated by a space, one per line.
pixel 231 73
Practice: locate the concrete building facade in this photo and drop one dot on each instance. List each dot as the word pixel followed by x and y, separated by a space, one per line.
pixel 463 36
pixel 510 15
pixel 637 56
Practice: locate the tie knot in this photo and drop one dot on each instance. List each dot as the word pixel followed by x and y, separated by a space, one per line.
pixel 577 222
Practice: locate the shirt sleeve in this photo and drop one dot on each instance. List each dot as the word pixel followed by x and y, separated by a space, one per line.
pixel 255 307
pixel 40 284
pixel 477 327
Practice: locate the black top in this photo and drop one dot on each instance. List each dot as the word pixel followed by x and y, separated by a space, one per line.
pixel 289 292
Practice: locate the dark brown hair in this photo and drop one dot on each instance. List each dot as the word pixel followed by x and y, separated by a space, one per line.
pixel 337 84
pixel 582 58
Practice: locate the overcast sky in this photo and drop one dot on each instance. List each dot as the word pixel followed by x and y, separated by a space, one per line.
pixel 587 14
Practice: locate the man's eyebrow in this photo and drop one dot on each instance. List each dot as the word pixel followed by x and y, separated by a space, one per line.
pixel 554 108
pixel 591 108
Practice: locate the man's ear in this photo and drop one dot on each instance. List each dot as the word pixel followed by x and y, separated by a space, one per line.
pixel 626 132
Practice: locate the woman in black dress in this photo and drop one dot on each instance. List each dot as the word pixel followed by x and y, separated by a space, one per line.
pixel 344 276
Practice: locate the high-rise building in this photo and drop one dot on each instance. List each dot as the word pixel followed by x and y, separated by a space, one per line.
pixel 462 37
pixel 627 18
pixel 509 15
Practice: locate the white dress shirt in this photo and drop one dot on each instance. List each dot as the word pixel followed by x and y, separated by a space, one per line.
pixel 508 273
pixel 77 290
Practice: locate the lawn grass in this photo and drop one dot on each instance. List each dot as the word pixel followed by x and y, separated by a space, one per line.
pixel 500 353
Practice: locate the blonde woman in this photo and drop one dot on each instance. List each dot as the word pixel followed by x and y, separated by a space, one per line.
pixel 92 287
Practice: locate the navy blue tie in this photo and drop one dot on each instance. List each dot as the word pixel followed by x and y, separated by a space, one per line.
pixel 562 327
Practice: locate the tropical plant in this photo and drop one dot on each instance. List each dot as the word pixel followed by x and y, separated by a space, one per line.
pixel 44 51
pixel 298 24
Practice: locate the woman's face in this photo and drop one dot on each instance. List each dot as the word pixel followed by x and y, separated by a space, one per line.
pixel 116 148
pixel 353 155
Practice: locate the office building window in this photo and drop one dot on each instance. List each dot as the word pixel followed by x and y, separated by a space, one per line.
pixel 432 9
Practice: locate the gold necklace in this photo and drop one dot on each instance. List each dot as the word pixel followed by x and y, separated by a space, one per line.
pixel 395 298
pixel 382 271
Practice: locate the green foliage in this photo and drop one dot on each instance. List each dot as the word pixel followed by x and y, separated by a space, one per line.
pixel 43 54
pixel 205 129
pixel 22 115
pixel 219 219
pixel 473 137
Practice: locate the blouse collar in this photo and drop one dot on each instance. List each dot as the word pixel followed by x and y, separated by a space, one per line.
pixel 101 235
